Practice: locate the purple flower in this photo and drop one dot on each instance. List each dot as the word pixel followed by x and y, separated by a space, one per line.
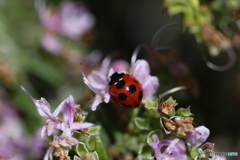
pixel 53 122
pixel 175 150
pixel 98 80
pixel 51 43
pixel 141 71
pixel 13 144
pixel 43 109
pixel 98 84
pixel 72 19
pixel 75 19
pixel 49 18
pixel 68 126
pixel 196 138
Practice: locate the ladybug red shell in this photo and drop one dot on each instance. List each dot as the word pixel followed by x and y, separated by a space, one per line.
pixel 125 90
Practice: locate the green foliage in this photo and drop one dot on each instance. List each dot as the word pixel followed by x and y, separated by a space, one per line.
pixel 100 148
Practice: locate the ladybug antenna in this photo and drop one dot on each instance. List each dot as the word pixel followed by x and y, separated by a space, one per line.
pixel 232 58
pixel 173 90
pixel 137 50
pixel 161 31
pixel 90 101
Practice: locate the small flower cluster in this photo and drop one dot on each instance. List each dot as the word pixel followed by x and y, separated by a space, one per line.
pixel 68 124
pixel 180 123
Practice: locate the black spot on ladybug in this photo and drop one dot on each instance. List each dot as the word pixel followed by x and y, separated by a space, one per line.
pixel 122 96
pixel 140 96
pixel 132 88
pixel 115 78
pixel 120 84
pixel 126 106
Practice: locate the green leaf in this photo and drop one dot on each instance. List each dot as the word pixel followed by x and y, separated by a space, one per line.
pixel 100 149
pixel 141 123
pixel 184 112
pixel 181 134
pixel 81 149
pixel 153 105
pixel 173 10
pixel 94 130
pixel 192 151
pixel 90 142
pixel 169 100
pixel 145 152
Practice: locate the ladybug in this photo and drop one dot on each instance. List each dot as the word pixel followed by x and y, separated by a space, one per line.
pixel 125 90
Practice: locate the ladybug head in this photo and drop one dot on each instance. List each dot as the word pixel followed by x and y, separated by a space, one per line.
pixel 115 78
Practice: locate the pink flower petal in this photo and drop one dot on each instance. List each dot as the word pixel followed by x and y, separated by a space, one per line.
pixel 196 138
pixel 98 80
pixel 48 154
pixel 43 131
pixel 150 86
pixel 78 126
pixel 96 91
pixel 42 106
pixel 98 99
pixel 140 70
pixel 68 110
pixel 120 66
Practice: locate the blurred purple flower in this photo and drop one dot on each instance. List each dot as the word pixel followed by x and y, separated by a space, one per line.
pixel 93 58
pixel 51 43
pixel 13 144
pixel 98 81
pixel 175 150
pixel 72 19
pixel 50 18
pixel 75 19
pixel 120 66
pixel 36 143
pixel 196 138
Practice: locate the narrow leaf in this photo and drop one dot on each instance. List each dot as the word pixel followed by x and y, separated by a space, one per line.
pixel 100 149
